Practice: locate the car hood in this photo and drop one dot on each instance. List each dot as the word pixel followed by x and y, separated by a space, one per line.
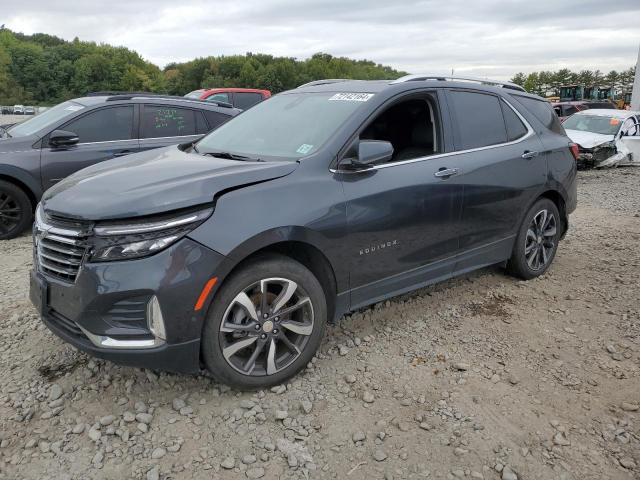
pixel 151 182
pixel 588 139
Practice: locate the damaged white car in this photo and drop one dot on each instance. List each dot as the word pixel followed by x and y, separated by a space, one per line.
pixel 606 138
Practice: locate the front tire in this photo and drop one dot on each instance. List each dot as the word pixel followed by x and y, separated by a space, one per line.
pixel 264 324
pixel 537 241
pixel 15 210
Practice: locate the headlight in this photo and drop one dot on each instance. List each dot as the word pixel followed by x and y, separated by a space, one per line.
pixel 125 240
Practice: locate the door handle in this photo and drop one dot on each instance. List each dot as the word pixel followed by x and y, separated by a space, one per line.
pixel 529 154
pixel 122 153
pixel 445 173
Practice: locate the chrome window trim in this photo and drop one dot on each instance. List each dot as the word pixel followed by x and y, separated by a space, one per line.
pixel 529 133
pixel 179 136
pixel 107 141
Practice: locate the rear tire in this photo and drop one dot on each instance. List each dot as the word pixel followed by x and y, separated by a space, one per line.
pixel 537 241
pixel 16 211
pixel 264 324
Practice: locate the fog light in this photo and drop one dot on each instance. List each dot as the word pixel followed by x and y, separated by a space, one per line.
pixel 155 320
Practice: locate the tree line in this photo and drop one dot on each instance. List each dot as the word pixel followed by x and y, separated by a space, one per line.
pixel 43 69
pixel 547 83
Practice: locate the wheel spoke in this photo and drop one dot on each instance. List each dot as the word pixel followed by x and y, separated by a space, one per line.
pixel 234 327
pixel 297 327
pixel 263 296
pixel 288 290
pixel 543 220
pixel 234 348
pixel 5 201
pixel 245 302
pixel 301 303
pixel 545 255
pixel 529 247
pixel 271 358
pixel 250 364
pixel 532 258
pixel 292 346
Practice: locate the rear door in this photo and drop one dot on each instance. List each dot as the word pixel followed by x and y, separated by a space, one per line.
pixel 164 125
pixel 104 133
pixel 502 168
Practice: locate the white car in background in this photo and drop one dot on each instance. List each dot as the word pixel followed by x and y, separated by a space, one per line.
pixel 18 109
pixel 606 138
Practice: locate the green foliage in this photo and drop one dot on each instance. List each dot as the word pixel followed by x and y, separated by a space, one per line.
pixel 44 69
pixel 549 83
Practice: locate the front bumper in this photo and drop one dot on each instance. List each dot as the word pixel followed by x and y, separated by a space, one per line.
pixel 105 311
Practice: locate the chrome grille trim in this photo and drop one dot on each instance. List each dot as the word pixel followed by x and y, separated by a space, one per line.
pixel 60 252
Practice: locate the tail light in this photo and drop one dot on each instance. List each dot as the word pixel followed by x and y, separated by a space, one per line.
pixel 575 150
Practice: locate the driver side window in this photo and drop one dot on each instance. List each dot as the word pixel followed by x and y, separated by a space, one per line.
pixel 410 126
pixel 630 127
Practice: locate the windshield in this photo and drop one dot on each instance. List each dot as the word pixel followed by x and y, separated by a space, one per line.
pixel 593 123
pixel 289 125
pixel 48 117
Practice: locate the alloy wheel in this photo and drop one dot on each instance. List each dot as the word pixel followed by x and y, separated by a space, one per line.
pixel 10 213
pixel 540 240
pixel 266 327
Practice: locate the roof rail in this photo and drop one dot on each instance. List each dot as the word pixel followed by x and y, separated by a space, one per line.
pixel 117 96
pixel 444 78
pixel 326 81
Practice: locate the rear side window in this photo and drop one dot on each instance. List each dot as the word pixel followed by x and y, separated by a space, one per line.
pixel 167 121
pixel 104 125
pixel 479 119
pixel 244 100
pixel 515 128
pixel 541 109
pixel 215 119
pixel 219 97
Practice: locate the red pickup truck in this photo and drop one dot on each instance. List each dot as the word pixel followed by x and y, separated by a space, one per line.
pixel 242 98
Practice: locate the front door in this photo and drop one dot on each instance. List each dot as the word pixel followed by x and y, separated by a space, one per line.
pixel 104 134
pixel 402 215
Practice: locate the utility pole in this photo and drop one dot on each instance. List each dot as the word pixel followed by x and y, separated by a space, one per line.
pixel 635 95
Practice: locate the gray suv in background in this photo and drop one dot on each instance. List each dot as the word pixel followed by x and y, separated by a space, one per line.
pixel 232 253
pixel 39 152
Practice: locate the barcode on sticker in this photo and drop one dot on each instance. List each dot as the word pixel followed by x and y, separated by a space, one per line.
pixel 352 97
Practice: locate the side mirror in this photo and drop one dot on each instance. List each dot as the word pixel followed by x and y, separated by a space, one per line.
pixel 62 138
pixel 370 153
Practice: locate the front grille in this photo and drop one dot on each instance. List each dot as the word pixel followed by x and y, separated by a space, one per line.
pixel 59 246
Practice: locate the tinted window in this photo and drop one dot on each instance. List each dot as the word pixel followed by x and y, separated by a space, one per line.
pixel 515 127
pixel 167 121
pixel 219 97
pixel 569 110
pixel 201 123
pixel 541 109
pixel 215 119
pixel 246 100
pixel 479 119
pixel 50 116
pixel 104 125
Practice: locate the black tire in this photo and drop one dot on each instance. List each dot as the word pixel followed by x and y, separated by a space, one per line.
pixel 16 211
pixel 308 293
pixel 545 243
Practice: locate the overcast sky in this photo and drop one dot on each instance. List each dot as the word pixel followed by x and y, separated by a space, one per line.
pixel 475 37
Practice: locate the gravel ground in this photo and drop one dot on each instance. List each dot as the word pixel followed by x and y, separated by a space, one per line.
pixel 482 377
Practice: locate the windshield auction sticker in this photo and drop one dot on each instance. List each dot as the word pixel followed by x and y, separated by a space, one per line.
pixel 351 97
